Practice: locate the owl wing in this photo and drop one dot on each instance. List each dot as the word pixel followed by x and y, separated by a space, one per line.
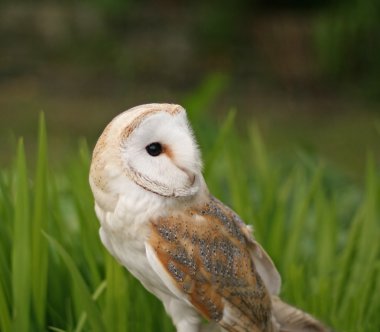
pixel 207 256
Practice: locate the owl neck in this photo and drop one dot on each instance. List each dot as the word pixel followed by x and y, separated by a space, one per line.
pixel 135 204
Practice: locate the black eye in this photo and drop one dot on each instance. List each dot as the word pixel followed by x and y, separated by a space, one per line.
pixel 154 149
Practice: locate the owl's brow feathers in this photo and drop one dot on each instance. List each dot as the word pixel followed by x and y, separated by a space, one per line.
pixel 175 109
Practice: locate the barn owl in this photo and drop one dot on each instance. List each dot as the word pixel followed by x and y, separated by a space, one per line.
pixel 159 220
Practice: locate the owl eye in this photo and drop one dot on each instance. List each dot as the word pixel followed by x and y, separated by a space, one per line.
pixel 154 149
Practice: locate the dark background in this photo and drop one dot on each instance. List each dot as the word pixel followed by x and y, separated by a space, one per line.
pixel 308 72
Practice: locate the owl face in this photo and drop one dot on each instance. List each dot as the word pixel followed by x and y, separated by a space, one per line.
pixel 151 146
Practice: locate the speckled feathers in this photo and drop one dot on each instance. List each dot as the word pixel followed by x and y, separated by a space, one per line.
pixel 206 252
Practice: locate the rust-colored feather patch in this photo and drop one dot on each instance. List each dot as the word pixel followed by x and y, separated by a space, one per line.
pixel 205 251
pixel 168 151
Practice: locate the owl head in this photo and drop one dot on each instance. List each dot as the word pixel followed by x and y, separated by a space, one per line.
pixel 148 148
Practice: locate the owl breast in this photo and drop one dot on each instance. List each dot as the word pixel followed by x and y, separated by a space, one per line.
pixel 124 232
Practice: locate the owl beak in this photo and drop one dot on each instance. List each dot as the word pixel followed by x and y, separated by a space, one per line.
pixel 190 188
pixel 191 176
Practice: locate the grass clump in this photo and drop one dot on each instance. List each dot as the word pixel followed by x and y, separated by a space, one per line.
pixel 321 230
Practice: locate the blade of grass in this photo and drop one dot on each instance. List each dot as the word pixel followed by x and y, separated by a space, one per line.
pixel 116 307
pixel 368 246
pixel 39 245
pixel 344 263
pixel 374 303
pixel 259 153
pixel 223 134
pixel 361 247
pixel 88 223
pixel 266 178
pixel 326 233
pixel 55 329
pixel 95 296
pixel 298 216
pixel 5 318
pixel 84 295
pixel 238 184
pixel 276 238
pixel 21 273
pixel 326 238
pixel 5 231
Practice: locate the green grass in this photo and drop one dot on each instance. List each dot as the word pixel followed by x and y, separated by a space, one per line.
pixel 321 229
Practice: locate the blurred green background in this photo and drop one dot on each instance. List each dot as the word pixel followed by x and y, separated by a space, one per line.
pixel 285 103
pixel 308 71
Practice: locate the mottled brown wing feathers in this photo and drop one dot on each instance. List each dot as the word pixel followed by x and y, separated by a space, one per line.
pixel 205 252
